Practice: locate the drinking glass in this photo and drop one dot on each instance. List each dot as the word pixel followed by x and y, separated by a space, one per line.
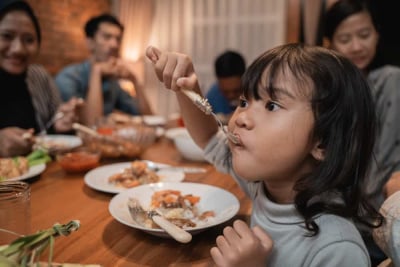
pixel 15 210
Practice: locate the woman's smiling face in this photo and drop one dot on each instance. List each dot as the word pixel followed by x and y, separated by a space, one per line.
pixel 18 42
pixel 356 38
pixel 275 134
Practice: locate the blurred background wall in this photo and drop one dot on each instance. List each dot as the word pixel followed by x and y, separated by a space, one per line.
pixel 200 28
pixel 62 23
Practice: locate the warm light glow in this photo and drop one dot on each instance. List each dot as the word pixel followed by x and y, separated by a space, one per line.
pixel 130 54
pixel 128 86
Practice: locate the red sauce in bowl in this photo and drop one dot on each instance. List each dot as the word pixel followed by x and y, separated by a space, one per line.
pixel 78 161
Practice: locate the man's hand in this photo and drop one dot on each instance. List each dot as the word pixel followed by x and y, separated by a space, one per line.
pixel 117 68
pixel 242 246
pixel 15 141
pixel 71 110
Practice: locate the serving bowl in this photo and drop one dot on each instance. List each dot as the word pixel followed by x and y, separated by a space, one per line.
pixel 78 160
pixel 116 140
pixel 185 144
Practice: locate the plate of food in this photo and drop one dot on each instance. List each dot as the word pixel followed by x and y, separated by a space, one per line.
pixel 118 177
pixel 23 168
pixel 9 171
pixel 58 142
pixel 194 207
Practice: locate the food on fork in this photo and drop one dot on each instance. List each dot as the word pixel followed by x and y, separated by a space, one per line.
pixel 137 174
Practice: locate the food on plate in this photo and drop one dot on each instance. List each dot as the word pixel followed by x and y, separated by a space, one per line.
pixel 13 167
pixel 17 166
pixel 78 161
pixel 181 210
pixel 136 174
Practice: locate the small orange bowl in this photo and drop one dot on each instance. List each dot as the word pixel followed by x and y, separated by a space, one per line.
pixel 79 160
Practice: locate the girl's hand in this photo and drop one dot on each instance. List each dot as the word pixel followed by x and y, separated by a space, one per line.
pixel 71 114
pixel 15 141
pixel 242 246
pixel 175 70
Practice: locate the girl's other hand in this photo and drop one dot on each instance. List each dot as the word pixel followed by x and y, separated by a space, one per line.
pixel 242 246
pixel 15 141
pixel 71 114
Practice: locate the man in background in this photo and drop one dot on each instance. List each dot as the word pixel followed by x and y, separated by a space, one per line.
pixel 96 79
pixel 224 94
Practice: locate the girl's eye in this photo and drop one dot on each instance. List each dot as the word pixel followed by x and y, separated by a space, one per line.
pixel 272 106
pixel 242 102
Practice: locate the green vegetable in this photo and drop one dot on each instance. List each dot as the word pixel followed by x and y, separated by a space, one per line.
pixel 37 157
pixel 26 250
pixel 45 159
pixel 36 154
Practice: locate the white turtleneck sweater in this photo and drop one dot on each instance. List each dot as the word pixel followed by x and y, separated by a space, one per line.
pixel 338 243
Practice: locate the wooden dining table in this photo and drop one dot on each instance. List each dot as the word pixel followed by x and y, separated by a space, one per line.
pixel 58 196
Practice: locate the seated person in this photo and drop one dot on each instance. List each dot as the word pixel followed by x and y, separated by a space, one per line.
pixel 352 29
pixel 223 96
pixel 29 98
pixel 96 79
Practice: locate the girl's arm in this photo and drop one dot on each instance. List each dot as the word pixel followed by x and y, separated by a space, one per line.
pixel 177 73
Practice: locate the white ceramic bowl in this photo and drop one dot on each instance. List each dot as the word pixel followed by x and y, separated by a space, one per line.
pixel 223 203
pixel 185 144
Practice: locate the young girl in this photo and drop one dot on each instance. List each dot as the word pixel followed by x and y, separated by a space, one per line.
pixel 305 126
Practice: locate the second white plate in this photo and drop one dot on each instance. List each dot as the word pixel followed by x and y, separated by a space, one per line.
pixel 98 177
pixel 32 172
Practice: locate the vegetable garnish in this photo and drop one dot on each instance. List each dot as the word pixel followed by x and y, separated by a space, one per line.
pixel 37 157
pixel 26 250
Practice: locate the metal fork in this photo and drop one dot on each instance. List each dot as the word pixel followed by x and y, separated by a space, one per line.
pixel 203 104
pixel 56 117
pixel 139 215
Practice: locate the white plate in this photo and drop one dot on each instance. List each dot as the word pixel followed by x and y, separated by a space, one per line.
pixel 59 141
pixel 224 204
pixel 98 177
pixel 154 120
pixel 150 120
pixel 32 172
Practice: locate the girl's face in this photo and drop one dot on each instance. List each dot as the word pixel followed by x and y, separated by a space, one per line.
pixel 356 38
pixel 275 134
pixel 18 42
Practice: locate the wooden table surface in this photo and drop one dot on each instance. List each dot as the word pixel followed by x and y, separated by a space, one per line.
pixel 60 197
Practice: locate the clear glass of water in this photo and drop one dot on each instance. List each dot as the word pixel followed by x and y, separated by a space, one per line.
pixel 15 210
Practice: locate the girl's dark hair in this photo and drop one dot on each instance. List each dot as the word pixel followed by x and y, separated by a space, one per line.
pixel 345 125
pixel 11 5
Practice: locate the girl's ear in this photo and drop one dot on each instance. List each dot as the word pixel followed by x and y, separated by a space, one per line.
pixel 318 152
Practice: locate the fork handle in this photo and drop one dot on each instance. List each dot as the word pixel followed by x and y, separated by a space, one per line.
pixel 176 232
